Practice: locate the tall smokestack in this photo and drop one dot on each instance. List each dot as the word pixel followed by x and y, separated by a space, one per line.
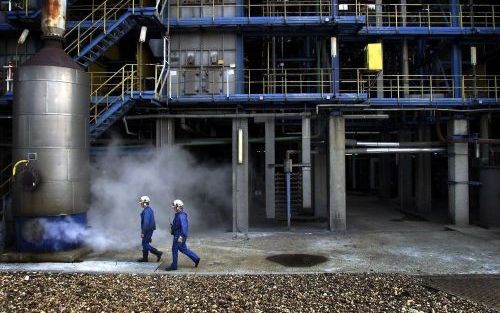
pixel 54 18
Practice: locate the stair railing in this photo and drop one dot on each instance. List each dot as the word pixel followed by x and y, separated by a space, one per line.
pixel 98 20
pixel 161 80
pixel 113 90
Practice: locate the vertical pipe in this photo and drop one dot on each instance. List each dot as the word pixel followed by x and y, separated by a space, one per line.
pixel 334 9
pixel 240 64
pixel 335 65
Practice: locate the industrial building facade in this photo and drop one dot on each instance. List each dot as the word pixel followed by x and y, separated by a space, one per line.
pixel 309 100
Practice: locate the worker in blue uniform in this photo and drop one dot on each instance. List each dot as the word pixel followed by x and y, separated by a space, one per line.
pixel 148 226
pixel 179 229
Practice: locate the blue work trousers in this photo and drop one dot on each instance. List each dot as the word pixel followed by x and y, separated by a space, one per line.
pixel 146 241
pixel 182 247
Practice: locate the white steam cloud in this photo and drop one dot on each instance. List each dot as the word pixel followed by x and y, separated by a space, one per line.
pixel 119 180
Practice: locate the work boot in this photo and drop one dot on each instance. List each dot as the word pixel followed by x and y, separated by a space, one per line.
pixel 144 257
pixel 197 262
pixel 157 253
pixel 170 268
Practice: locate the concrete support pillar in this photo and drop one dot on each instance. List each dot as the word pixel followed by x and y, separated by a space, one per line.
pixel 306 159
pixel 320 184
pixel 240 175
pixel 405 174
pixel 458 174
pixel 269 171
pixel 424 179
pixel 336 186
pixel 165 132
pixel 485 133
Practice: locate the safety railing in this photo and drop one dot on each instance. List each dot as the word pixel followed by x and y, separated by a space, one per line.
pixel 224 80
pixel 110 88
pixel 424 15
pixel 251 8
pixel 429 86
pixel 94 24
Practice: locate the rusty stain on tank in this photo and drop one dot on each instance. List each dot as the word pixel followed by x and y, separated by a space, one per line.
pixel 53 17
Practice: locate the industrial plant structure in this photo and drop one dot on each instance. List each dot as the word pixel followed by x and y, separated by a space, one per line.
pixel 309 100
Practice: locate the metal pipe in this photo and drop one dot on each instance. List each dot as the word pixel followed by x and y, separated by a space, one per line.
pixel 366 116
pixel 244 115
pixel 393 150
pixel 409 144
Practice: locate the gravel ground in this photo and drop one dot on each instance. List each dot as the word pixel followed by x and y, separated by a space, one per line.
pixel 39 292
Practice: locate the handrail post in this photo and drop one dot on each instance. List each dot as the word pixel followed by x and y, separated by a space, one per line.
pixel 493 15
pixel 123 83
pixel 249 80
pixel 104 17
pixel 397 83
pixel 396 14
pixel 496 88
pixel 429 17
pixel 430 85
pixel 78 40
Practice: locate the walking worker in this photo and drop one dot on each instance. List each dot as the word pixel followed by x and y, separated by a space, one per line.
pixel 180 229
pixel 148 226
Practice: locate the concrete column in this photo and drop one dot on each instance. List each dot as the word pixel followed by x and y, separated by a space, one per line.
pixel 458 174
pixel 423 183
pixel 485 133
pixel 306 159
pixel 165 132
pixel 269 171
pixel 336 186
pixel 405 173
pixel 240 175
pixel 320 184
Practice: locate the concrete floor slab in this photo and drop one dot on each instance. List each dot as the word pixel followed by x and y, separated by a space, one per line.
pixel 378 239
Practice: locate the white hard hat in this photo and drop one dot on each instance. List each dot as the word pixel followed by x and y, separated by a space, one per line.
pixel 144 199
pixel 177 203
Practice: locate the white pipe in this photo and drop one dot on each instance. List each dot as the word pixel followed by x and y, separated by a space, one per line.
pixel 393 150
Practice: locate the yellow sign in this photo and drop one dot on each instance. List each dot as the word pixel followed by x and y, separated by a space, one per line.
pixel 374 57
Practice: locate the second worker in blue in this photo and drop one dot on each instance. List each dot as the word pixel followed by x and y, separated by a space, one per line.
pixel 148 226
pixel 179 229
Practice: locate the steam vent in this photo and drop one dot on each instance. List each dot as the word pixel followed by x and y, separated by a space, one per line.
pixel 50 127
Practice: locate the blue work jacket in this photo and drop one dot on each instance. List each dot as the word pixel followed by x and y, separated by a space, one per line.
pixel 180 225
pixel 148 223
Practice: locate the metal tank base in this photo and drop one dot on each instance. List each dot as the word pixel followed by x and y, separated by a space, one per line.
pixel 50 233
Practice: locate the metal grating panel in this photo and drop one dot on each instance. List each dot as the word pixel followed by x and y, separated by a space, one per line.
pixel 484 289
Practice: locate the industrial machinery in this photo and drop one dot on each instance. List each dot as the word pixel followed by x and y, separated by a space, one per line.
pixel 50 137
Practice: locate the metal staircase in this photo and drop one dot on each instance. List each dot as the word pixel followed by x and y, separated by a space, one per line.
pixel 103 27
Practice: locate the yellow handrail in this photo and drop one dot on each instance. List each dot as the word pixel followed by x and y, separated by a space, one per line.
pixel 91 31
